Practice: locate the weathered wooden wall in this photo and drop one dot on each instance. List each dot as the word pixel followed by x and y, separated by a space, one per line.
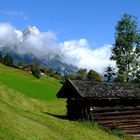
pixel 109 113
pixel 127 117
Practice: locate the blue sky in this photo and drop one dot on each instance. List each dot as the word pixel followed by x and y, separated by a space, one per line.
pixel 94 20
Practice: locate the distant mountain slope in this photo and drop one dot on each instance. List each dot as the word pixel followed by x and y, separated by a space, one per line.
pixel 55 63
pixel 25 118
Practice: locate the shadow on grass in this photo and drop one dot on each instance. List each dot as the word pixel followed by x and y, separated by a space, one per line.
pixel 64 117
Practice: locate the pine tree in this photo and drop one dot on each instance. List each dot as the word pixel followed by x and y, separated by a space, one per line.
pixel 109 73
pixel 7 60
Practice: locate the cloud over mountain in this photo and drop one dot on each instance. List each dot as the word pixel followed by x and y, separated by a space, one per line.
pixel 80 54
pixel 44 44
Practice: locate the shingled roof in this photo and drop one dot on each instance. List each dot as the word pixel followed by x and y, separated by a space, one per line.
pixel 94 89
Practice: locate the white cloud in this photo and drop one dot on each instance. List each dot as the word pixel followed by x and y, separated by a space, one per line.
pixel 8 36
pixel 40 45
pixel 76 52
pixel 81 55
pixel 14 14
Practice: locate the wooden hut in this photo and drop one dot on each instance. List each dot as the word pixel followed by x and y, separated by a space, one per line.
pixel 109 104
pixel 27 68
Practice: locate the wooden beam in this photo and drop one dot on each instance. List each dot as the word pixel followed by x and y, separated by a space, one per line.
pixel 116 108
pixel 110 122
pixel 131 116
pixel 116 113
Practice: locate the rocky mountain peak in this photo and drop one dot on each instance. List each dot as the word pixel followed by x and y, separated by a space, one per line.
pixel 30 30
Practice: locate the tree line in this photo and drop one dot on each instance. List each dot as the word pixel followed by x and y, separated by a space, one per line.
pixel 6 60
pixel 83 74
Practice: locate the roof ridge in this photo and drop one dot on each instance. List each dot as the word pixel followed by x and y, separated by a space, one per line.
pixel 103 82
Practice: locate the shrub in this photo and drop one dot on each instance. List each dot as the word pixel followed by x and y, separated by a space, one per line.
pixel 117 131
pixel 36 71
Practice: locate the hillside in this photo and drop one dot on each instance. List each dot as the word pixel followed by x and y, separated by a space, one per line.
pixel 28 84
pixel 30 111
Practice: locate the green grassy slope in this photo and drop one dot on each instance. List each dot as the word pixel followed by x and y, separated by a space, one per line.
pixel 25 118
pixel 29 85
